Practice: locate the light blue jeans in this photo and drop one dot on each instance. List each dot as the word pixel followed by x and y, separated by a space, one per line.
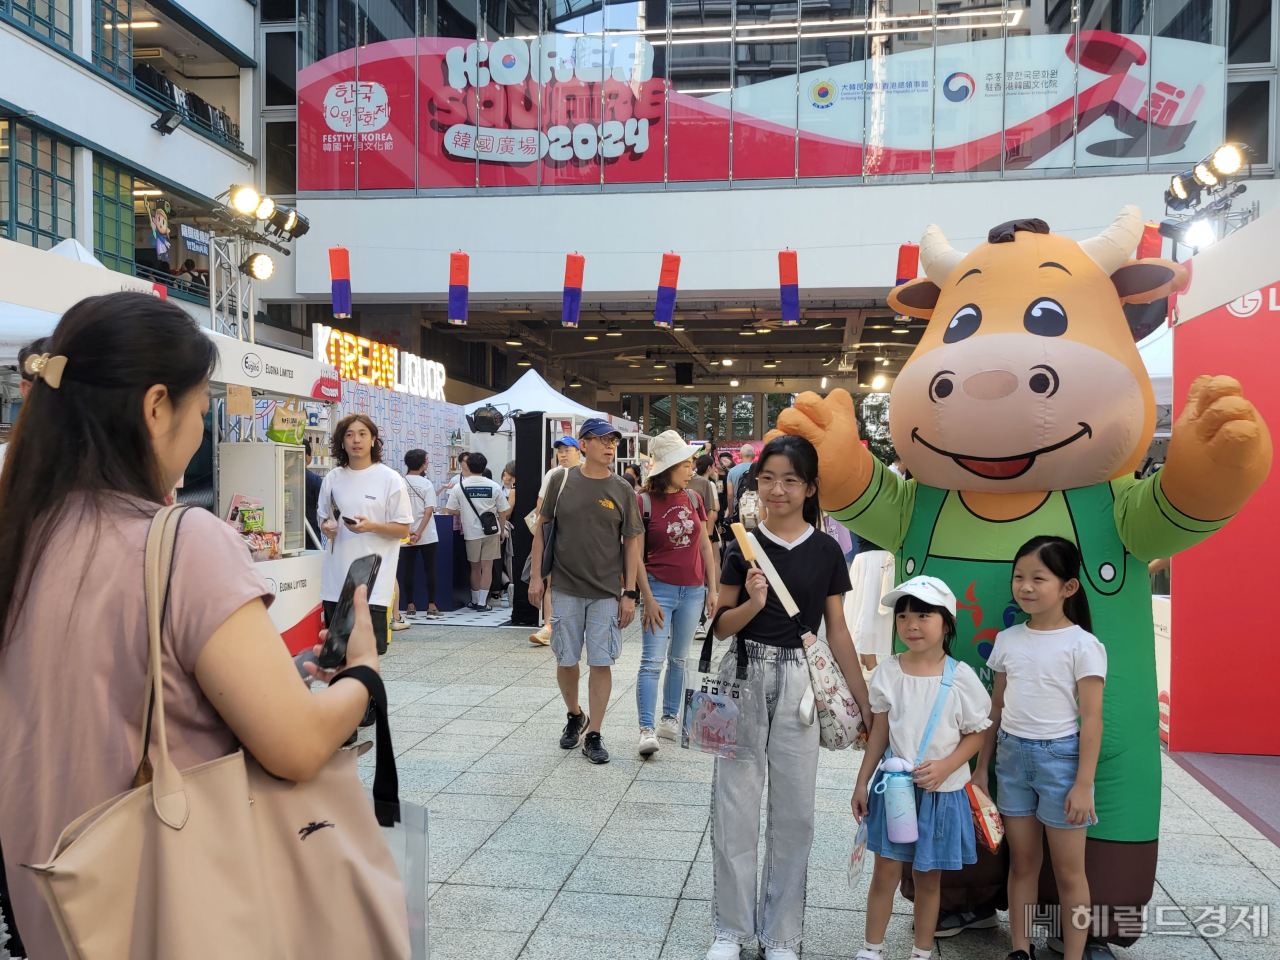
pixel 681 608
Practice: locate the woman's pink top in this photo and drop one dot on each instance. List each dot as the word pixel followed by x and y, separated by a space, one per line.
pixel 73 672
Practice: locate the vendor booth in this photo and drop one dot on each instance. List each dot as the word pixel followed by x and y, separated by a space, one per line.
pixel 238 457
pixel 1221 677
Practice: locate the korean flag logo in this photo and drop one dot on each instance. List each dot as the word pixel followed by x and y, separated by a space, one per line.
pixel 958 87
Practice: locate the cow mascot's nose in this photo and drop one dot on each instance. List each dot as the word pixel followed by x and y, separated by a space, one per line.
pixel 991 385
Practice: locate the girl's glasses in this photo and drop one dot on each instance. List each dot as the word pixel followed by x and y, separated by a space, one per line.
pixel 789 484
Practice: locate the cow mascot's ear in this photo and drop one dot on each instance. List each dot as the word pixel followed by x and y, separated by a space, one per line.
pixel 1145 281
pixel 917 298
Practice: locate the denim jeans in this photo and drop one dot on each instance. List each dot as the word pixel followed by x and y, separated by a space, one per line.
pixel 681 608
pixel 775 915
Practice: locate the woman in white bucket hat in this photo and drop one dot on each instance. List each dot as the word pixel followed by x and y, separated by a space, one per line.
pixel 677 583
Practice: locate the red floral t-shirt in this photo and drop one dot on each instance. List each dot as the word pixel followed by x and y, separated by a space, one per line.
pixel 672 536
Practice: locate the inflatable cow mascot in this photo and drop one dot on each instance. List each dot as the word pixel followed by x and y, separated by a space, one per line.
pixel 1025 410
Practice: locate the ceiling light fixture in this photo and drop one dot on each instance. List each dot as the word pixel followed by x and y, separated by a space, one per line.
pixel 524 361
pixel 614 330
pixel 575 382
pixel 778 382
pixel 688 386
pixel 878 383
pixel 899 331
pixel 590 336
pixel 733 383
pixel 824 383
pixel 660 365
pixel 514 342
pixel 727 361
pixel 747 330
pixel 659 379
pixel 829 361
pixel 770 363
pixel 886 363
pixel 148 193
pixel 822 326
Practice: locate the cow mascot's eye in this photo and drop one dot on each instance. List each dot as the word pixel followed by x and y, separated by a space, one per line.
pixel 964 324
pixel 1045 318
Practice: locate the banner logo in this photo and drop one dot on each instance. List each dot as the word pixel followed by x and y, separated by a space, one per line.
pixel 351 104
pixel 822 94
pixel 958 87
pixel 1247 305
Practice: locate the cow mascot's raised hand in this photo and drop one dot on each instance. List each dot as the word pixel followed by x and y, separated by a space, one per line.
pixel 1025 410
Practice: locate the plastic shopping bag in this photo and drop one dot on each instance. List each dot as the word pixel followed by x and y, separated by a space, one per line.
pixel 288 422
pixel 721 707
pixel 858 855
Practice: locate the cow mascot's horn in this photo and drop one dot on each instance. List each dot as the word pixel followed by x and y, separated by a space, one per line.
pixel 1112 248
pixel 937 258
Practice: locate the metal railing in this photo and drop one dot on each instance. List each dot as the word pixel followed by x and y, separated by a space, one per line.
pixel 223 130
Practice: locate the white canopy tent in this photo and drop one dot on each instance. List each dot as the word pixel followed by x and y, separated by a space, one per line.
pixel 531 393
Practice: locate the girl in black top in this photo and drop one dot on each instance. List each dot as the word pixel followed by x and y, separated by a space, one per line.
pixel 813 569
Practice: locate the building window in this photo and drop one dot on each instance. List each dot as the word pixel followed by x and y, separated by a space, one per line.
pixel 38 204
pixel 113 241
pixel 1249 31
pixel 282 68
pixel 282 158
pixel 277 11
pixel 113 37
pixel 1249 118
pixel 50 19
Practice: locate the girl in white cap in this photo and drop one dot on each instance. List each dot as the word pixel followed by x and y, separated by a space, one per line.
pixel 930 710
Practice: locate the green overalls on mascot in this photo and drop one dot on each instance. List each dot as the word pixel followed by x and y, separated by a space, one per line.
pixel 1025 410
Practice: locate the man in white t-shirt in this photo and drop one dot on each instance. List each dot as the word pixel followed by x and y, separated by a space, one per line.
pixel 364 508
pixel 567 454
pixel 422 534
pixel 482 496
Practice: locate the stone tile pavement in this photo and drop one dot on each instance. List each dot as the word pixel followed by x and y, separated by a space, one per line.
pixel 536 854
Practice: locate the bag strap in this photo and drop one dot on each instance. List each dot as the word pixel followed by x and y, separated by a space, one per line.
pixel 564 478
pixel 948 673
pixel 704 659
pixel 386 780
pixel 168 795
pixel 775 580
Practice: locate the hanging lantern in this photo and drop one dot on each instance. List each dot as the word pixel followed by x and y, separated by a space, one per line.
pixel 459 280
pixel 574 263
pixel 340 281
pixel 664 309
pixel 789 284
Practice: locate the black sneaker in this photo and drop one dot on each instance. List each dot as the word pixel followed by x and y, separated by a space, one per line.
pixel 593 749
pixel 1023 954
pixel 572 735
pixel 951 922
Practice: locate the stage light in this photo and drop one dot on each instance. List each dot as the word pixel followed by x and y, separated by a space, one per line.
pixel 1204 175
pixel 259 266
pixel 266 209
pixel 1200 234
pixel 1184 191
pixel 245 200
pixel 878 383
pixel 1227 160
pixel 290 221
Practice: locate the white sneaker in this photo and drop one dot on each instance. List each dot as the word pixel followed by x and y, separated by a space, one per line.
pixel 542 637
pixel 648 744
pixel 780 953
pixel 868 955
pixel 724 950
pixel 669 728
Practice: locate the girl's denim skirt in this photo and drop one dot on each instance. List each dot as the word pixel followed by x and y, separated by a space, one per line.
pixel 945 824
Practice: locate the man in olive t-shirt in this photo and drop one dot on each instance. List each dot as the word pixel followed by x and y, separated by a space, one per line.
pixel 595 514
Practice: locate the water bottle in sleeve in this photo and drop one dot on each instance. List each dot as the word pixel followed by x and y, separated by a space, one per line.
pixel 899 800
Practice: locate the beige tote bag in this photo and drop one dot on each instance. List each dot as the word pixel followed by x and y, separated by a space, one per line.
pixel 224 860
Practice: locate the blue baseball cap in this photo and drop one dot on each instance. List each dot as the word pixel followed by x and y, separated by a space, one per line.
pixel 597 427
pixel 566 442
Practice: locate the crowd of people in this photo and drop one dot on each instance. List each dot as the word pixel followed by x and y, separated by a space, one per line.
pixel 116 401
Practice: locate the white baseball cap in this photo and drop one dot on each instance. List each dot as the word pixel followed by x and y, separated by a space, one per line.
pixel 929 589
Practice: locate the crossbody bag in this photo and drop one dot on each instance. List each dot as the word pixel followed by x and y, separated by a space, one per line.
pixel 839 719
pixel 488 519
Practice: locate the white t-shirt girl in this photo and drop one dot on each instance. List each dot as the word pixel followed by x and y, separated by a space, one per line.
pixel 909 701
pixel 1042 668
pixel 376 493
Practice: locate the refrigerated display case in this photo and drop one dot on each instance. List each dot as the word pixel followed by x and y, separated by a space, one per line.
pixel 274 473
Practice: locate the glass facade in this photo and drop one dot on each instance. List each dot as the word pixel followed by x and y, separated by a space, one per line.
pixel 113 225
pixel 482 94
pixel 50 19
pixel 37 195
pixel 113 38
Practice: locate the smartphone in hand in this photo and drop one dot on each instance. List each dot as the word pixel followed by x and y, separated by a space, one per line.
pixel 363 570
pixel 348 521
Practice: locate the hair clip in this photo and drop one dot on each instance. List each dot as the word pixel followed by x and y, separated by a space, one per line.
pixel 47 368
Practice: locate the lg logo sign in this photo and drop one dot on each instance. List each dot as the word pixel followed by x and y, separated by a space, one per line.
pixel 1251 303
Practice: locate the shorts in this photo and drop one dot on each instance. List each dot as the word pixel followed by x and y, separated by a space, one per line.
pixel 1033 778
pixel 484 549
pixel 576 621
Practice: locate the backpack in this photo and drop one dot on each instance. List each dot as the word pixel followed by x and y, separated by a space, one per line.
pixel 646 507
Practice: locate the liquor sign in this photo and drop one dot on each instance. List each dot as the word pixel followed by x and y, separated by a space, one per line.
pixel 377 364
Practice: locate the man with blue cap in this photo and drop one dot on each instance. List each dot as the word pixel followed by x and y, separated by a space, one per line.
pixel 595 559
pixel 567 454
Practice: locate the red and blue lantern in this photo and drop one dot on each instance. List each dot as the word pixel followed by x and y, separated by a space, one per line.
pixel 459 287
pixel 664 310
pixel 908 263
pixel 340 281
pixel 574 263
pixel 789 284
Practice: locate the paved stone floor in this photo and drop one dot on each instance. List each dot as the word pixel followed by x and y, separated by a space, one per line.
pixel 535 853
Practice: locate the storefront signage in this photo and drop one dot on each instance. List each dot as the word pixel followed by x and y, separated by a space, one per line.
pixel 197 241
pixel 260 367
pixel 377 364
